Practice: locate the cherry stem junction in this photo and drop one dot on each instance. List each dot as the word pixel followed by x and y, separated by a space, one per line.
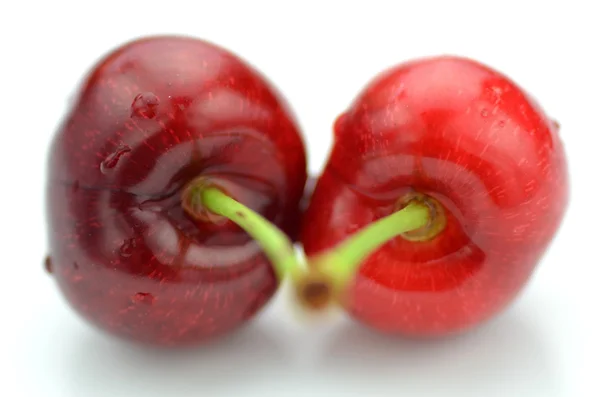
pixel 329 274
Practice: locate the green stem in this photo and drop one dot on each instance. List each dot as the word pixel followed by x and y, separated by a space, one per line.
pixel 331 272
pixel 341 263
pixel 275 243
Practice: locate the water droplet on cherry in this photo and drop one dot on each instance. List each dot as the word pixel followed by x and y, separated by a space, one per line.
pixel 143 297
pixel 48 265
pixel 112 159
pixel 145 105
pixel 126 250
pixel 485 112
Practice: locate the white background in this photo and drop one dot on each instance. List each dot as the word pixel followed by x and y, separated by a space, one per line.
pixel 319 55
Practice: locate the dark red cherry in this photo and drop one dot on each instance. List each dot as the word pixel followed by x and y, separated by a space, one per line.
pixel 152 116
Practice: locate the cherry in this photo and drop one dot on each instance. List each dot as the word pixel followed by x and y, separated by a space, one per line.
pixel 129 248
pixel 455 183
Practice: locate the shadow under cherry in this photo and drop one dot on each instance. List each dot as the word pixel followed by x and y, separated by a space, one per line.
pixel 227 366
pixel 506 357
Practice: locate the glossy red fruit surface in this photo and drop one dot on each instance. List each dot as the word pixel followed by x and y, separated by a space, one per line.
pixel 153 115
pixel 468 136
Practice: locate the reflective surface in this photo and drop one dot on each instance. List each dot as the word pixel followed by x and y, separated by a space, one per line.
pixel 152 116
pixel 469 137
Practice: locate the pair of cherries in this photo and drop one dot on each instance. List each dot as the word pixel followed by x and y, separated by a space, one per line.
pixel 176 185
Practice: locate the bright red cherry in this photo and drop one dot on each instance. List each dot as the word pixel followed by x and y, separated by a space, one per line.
pixel 130 252
pixel 483 160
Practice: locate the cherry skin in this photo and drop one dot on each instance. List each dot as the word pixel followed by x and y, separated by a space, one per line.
pixel 469 138
pixel 152 116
